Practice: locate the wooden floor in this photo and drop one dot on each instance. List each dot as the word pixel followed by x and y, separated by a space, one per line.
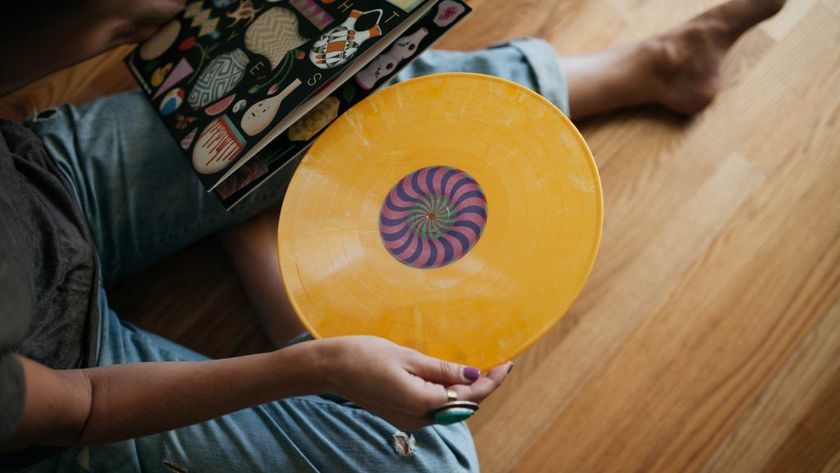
pixel 708 337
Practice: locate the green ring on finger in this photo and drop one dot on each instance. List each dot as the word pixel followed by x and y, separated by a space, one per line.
pixel 453 412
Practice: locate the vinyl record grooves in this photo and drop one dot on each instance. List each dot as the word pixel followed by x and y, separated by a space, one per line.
pixel 458 214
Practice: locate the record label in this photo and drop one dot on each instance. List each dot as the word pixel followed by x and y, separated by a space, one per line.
pixel 433 217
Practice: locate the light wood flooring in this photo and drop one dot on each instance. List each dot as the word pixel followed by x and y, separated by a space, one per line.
pixel 708 337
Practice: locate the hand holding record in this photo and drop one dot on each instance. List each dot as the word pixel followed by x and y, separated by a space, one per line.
pixel 401 385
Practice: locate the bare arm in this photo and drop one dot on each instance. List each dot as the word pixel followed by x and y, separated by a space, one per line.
pixel 96 405
pixel 106 404
pixel 43 36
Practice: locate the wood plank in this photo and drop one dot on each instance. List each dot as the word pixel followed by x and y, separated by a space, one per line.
pixel 573 27
pixel 194 299
pixel 795 12
pixel 802 389
pixel 102 75
pixel 692 366
pixel 706 139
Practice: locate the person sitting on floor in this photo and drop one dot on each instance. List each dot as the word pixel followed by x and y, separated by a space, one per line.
pixel 91 194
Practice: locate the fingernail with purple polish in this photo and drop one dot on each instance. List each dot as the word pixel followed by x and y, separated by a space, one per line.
pixel 471 373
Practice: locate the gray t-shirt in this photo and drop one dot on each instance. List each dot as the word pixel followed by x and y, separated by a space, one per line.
pixel 48 273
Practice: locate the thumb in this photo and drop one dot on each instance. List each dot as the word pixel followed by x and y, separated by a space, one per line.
pixel 443 372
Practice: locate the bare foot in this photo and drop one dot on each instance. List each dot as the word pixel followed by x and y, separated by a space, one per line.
pixel 687 60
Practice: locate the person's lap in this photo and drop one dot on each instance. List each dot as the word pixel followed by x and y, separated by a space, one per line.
pixel 302 434
pixel 143 202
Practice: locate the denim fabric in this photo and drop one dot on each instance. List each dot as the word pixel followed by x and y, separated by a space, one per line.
pixel 143 202
pixel 528 61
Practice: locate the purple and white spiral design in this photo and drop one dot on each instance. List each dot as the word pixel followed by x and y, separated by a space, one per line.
pixel 432 217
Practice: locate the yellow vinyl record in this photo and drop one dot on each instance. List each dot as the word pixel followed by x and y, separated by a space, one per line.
pixel 457 214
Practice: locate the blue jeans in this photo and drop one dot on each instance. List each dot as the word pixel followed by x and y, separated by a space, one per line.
pixel 143 202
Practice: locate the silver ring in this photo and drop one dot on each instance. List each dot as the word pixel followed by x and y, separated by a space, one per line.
pixel 451 395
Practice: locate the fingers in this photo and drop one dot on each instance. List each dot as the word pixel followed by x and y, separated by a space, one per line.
pixel 443 372
pixel 433 376
pixel 485 385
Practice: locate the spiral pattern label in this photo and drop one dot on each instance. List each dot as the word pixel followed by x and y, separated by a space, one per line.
pixel 432 217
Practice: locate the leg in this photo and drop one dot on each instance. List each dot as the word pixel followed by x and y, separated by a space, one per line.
pixel 678 69
pixel 252 247
pixel 139 194
pixel 530 62
pixel 140 197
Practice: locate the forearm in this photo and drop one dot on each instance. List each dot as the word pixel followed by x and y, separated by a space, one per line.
pixel 144 398
pixel 106 404
pixel 40 37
